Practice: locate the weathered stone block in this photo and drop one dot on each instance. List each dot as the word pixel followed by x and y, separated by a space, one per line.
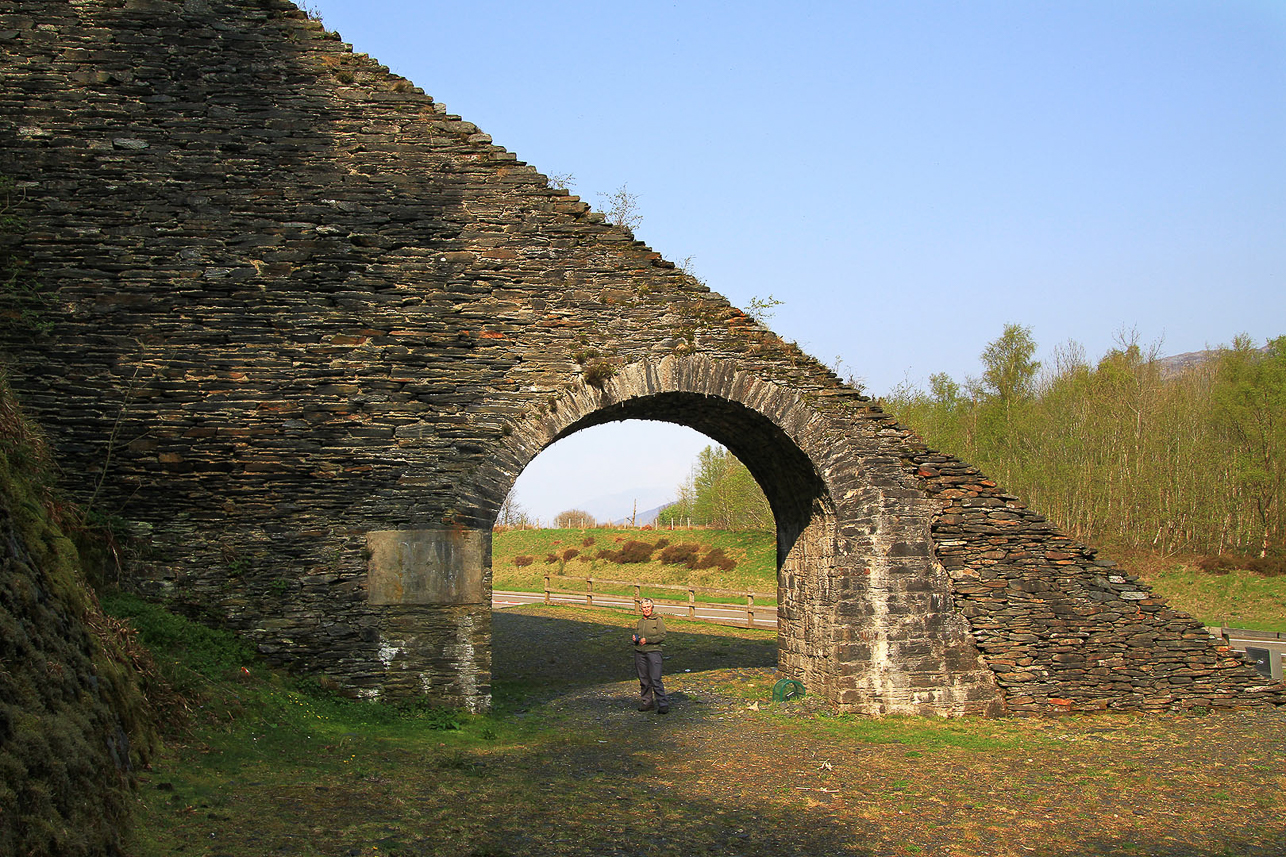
pixel 439 566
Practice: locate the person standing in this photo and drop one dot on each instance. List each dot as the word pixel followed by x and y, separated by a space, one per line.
pixel 648 636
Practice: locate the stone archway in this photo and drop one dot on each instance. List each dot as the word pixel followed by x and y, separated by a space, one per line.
pixel 865 612
pixel 302 353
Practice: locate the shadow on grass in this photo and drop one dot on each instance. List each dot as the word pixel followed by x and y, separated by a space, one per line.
pixel 588 775
pixel 545 650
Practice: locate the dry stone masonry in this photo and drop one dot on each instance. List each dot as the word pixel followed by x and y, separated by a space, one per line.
pixel 306 327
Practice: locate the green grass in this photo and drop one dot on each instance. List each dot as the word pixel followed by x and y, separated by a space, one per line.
pixel 754 552
pixel 269 764
pixel 1238 599
pixel 254 737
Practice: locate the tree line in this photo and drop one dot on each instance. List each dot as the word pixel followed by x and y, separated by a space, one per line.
pixel 719 493
pixel 1126 451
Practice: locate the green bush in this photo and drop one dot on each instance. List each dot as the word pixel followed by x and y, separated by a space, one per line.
pixel 210 653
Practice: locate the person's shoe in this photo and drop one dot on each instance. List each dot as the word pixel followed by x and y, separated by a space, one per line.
pixel 646 706
pixel 664 709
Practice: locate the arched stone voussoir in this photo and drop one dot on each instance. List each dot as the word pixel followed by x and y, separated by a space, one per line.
pixel 716 397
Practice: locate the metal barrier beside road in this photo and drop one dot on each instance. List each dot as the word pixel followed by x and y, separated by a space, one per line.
pixel 1265 648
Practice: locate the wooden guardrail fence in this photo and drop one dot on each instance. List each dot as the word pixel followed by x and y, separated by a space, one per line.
pixel 692 592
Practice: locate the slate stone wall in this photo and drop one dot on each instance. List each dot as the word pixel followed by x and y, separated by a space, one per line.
pixel 294 301
pixel 1062 628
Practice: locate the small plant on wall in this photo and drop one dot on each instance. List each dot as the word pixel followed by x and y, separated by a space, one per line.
pixel 599 371
pixel 597 367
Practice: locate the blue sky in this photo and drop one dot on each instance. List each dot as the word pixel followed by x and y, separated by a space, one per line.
pixel 906 178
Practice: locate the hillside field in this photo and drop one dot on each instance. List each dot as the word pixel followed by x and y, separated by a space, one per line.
pixel 592 553
pixel 1234 599
pixel 1239 599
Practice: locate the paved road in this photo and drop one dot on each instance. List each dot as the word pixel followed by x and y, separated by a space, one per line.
pixel 766 617
pixel 730 614
pixel 1274 644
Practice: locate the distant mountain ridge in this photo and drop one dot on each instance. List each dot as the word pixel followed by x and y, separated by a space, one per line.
pixel 1179 363
pixel 642 519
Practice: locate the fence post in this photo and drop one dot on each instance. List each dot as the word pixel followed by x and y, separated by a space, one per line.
pixel 547 589
pixel 692 603
pixel 589 592
pixel 750 609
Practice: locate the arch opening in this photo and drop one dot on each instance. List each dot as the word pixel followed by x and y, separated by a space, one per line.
pixel 796 493
pixel 795 490
pixel 773 432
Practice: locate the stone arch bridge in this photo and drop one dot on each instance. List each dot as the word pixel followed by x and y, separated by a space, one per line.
pixel 304 328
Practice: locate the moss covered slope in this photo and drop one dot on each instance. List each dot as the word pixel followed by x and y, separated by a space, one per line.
pixel 73 724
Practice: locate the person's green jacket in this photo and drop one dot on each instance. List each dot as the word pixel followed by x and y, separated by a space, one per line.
pixel 651 629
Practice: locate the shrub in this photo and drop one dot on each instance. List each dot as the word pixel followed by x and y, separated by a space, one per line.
pixel 597 372
pixel 551 558
pixel 661 543
pixel 684 553
pixel 571 553
pixel 635 551
pixel 587 541
pixel 1217 564
pixel 1269 566
pixel 1266 566
pixel 609 555
pixel 716 558
pixel 523 560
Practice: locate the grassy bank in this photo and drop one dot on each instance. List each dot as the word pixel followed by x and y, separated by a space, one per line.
pixel 522 558
pixel 74 723
pixel 1238 599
